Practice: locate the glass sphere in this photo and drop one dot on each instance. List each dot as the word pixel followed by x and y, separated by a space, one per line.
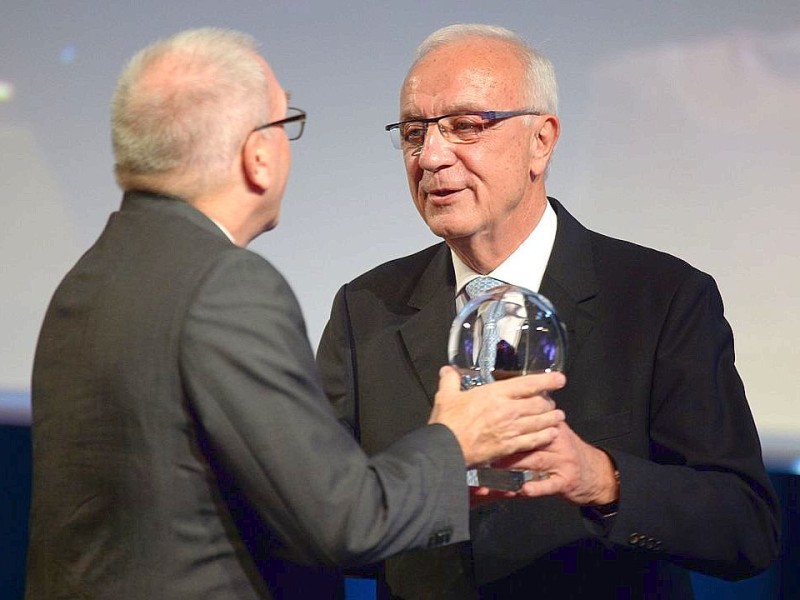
pixel 506 332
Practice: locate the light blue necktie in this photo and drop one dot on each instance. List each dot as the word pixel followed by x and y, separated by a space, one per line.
pixel 481 285
pixel 491 334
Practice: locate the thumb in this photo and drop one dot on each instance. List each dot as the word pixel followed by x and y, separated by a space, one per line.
pixel 449 379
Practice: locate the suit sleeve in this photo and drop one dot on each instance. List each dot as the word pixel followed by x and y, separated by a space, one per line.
pixel 250 377
pixel 336 361
pixel 704 500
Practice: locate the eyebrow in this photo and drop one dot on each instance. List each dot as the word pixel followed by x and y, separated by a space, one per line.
pixel 453 110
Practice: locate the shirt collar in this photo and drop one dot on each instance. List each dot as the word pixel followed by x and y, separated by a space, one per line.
pixel 223 229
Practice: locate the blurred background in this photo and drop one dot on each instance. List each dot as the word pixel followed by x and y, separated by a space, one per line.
pixel 680 132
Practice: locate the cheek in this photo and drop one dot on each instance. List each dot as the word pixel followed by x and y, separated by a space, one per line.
pixel 500 170
pixel 414 176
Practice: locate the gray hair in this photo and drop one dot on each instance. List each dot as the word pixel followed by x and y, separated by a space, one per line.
pixel 541 89
pixel 183 107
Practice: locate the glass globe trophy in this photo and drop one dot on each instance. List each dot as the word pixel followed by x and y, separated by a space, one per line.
pixel 506 332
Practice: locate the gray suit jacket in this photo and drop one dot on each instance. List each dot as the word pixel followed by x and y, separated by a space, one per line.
pixel 181 437
pixel 650 378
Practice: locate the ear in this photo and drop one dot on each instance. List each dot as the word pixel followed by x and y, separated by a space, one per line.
pixel 544 142
pixel 257 167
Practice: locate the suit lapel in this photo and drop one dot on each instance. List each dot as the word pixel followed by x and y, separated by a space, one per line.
pixel 570 282
pixel 425 334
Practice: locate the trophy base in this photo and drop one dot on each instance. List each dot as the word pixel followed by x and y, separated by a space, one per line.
pixel 499 479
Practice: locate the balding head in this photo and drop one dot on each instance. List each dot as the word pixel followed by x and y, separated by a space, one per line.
pixel 182 109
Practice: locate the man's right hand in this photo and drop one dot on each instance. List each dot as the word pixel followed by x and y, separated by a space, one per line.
pixel 501 418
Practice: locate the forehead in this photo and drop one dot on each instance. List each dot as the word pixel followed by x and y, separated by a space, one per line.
pixel 476 74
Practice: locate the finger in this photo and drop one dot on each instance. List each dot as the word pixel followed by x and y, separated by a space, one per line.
pixel 531 420
pixel 537 488
pixel 522 408
pixel 531 441
pixel 479 496
pixel 449 379
pixel 528 423
pixel 532 385
pixel 490 493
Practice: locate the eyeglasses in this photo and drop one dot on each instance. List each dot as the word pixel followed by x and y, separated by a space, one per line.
pixel 293 124
pixel 459 128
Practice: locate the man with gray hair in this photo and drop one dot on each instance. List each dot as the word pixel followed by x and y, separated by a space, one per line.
pixel 181 438
pixel 657 467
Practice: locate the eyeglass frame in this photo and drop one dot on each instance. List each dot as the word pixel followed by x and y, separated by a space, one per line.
pixel 486 115
pixel 300 116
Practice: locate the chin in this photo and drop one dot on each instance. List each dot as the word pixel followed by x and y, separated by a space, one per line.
pixel 270 224
pixel 449 228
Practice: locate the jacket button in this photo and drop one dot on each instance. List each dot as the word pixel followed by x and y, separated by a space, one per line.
pixel 440 537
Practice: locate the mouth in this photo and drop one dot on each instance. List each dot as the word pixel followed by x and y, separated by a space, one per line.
pixel 443 195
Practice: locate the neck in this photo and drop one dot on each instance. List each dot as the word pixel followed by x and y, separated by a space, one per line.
pixel 234 217
pixel 483 252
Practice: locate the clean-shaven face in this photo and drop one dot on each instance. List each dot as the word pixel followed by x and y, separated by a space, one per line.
pixel 477 189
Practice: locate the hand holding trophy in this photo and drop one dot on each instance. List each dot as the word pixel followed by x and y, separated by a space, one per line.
pixel 504 331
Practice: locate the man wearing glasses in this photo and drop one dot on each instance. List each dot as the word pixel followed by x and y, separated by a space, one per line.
pixel 657 466
pixel 181 436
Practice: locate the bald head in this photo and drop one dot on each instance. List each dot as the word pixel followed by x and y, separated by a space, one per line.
pixel 538 85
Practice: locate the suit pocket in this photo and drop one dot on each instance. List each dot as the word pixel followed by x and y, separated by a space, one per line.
pixel 603 427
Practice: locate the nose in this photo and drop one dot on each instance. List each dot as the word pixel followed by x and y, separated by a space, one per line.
pixel 436 152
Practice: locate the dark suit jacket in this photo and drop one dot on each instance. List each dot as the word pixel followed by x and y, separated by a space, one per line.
pixel 650 378
pixel 181 436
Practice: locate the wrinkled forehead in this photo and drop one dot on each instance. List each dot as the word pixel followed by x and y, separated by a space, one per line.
pixel 468 75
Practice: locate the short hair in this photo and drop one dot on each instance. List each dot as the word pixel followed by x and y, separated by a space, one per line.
pixel 183 107
pixel 541 89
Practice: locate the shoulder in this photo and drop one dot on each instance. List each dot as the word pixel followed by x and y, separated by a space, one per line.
pixel 656 278
pixel 612 253
pixel 242 295
pixel 622 262
pixel 240 270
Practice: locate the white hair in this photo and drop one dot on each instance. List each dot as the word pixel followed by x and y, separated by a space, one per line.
pixel 183 107
pixel 541 89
